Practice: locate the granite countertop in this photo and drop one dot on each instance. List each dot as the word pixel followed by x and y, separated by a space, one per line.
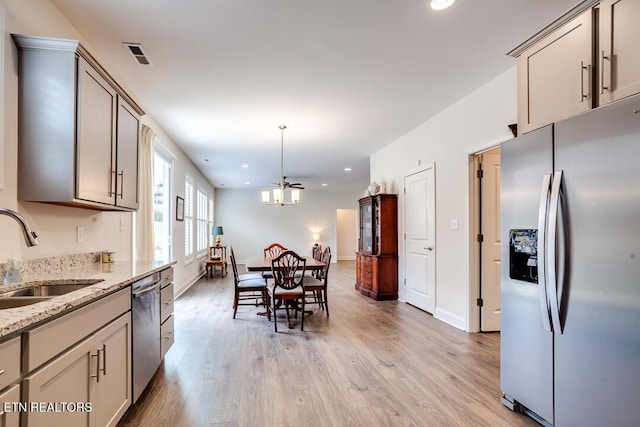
pixel 113 276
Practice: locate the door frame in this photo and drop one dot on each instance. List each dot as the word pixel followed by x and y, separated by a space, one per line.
pixel 473 317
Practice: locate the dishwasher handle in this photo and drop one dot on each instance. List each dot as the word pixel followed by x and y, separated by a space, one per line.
pixel 146 290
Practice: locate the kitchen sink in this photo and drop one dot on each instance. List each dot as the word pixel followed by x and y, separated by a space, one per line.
pixel 49 289
pixel 20 301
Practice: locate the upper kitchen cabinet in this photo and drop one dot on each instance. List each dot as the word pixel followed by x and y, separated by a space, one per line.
pixel 619 52
pixel 79 130
pixel 588 57
pixel 554 75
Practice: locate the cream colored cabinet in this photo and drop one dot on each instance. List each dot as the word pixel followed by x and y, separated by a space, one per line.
pixel 95 180
pixel 619 49
pixel 554 75
pixel 9 387
pixel 9 412
pixel 586 58
pixel 166 311
pixel 79 130
pixel 126 158
pixel 83 358
pixel 94 376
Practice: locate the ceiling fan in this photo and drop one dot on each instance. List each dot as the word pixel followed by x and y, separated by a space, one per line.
pixel 278 193
pixel 288 184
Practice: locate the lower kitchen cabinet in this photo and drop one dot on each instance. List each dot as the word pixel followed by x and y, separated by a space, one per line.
pixel 11 417
pixel 94 376
pixel 166 311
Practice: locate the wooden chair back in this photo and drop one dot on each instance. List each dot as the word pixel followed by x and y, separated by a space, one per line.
pixel 236 276
pixel 273 250
pixel 288 270
pixel 323 273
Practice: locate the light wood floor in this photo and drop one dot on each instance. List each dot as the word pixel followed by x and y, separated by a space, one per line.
pixel 369 364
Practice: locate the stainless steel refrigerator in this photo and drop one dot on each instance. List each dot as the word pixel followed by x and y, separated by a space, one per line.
pixel 570 310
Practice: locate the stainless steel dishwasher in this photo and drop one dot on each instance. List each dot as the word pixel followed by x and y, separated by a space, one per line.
pixel 145 310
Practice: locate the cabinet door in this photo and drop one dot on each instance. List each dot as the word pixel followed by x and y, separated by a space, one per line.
pixel 619 54
pixel 95 144
pixel 127 156
pixel 66 379
pixel 554 75
pixel 113 390
pixel 10 416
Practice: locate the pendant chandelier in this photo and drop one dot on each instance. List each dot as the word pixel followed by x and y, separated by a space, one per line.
pixel 278 193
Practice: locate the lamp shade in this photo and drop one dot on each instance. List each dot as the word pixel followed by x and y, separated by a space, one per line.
pixel 217 231
pixel 316 237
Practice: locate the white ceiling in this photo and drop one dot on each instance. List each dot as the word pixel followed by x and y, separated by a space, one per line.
pixel 347 77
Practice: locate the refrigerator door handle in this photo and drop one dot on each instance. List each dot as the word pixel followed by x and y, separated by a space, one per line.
pixel 551 257
pixel 542 244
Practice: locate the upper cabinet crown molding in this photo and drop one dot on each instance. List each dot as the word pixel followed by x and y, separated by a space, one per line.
pixel 572 13
pixel 25 42
pixel 79 130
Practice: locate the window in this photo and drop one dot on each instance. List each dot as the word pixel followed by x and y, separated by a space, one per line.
pixel 188 217
pixel 201 221
pixel 210 225
pixel 162 197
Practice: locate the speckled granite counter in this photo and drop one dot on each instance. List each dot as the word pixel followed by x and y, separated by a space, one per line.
pixel 113 276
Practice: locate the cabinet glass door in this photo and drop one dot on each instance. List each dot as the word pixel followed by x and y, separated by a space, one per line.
pixel 367 228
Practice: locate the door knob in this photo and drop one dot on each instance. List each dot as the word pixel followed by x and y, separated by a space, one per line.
pixel 430 248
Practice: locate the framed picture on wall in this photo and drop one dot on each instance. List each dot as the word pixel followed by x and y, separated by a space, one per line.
pixel 179 208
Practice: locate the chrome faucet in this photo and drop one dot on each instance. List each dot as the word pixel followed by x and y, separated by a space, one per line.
pixel 30 237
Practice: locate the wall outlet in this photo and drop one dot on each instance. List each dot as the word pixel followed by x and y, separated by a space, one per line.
pixel 79 234
pixel 454 224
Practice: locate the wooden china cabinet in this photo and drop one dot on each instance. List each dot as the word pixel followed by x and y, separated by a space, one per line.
pixel 377 256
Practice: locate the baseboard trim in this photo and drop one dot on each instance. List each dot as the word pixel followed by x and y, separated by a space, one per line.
pixel 450 318
pixel 189 284
pixel 347 258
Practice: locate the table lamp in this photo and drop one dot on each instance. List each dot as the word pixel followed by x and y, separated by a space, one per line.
pixel 217 231
pixel 316 237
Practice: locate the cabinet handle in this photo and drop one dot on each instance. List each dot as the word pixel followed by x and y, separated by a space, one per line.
pixel 582 68
pixel 168 302
pixel 97 375
pixel 121 175
pixel 168 336
pixel 1 371
pixel 111 173
pixel 104 359
pixel 602 86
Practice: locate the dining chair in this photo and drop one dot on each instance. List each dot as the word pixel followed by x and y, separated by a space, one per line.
pixel 316 287
pixel 248 289
pixel 272 251
pixel 242 276
pixel 286 290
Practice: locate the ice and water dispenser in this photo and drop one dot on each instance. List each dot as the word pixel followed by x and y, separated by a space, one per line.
pixel 523 255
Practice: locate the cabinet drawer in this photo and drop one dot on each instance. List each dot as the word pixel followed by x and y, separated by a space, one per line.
pixel 9 362
pixel 366 261
pixel 44 342
pixel 166 302
pixel 10 418
pixel 166 277
pixel 166 336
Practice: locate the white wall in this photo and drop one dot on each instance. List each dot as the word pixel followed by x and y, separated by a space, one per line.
pixel 476 122
pixel 56 225
pixel 249 226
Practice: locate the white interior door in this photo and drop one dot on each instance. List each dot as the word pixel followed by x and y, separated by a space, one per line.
pixel 419 221
pixel 490 249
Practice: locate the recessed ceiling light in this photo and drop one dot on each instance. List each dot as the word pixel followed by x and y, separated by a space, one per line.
pixel 441 4
pixel 324 184
pixel 347 169
pixel 247 182
pixel 245 166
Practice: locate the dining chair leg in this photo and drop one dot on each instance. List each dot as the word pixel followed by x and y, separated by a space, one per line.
pixel 302 322
pixel 275 317
pixel 326 302
pixel 235 304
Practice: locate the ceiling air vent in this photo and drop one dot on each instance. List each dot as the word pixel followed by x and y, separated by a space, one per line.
pixel 135 49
